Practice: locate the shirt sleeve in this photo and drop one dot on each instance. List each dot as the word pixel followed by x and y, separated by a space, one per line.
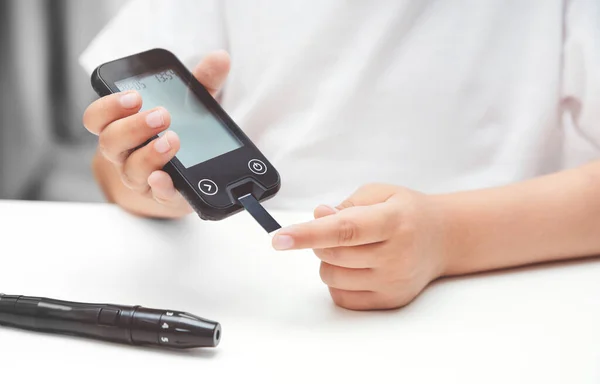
pixel 188 28
pixel 581 69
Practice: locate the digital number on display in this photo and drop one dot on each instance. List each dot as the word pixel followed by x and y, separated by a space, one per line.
pixel 139 84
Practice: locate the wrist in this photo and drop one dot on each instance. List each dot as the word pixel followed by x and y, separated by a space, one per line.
pixel 524 223
pixel 454 234
pixel 476 230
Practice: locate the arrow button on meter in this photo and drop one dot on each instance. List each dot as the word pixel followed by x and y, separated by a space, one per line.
pixel 208 187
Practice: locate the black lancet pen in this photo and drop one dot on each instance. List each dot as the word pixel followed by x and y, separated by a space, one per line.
pixel 134 325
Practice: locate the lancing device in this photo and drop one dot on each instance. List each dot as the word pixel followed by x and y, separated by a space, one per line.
pixel 133 325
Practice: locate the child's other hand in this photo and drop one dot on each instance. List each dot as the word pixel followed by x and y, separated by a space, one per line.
pixel 379 249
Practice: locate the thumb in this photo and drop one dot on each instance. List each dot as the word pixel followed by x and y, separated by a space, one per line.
pixel 212 70
pixel 369 194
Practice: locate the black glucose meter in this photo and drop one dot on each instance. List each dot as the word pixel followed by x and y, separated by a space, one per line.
pixel 218 169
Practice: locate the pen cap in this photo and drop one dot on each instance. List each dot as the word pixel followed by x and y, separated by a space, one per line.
pixel 184 330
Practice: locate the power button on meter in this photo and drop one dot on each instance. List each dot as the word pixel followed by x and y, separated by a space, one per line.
pixel 257 166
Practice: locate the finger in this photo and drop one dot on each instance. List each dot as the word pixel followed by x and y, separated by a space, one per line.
pixel 212 70
pixel 349 227
pixel 324 210
pixel 107 109
pixel 358 300
pixel 360 256
pixel 152 157
pixel 368 195
pixel 347 278
pixel 164 192
pixel 120 137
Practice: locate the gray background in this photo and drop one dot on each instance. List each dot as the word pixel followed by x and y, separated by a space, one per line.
pixel 45 151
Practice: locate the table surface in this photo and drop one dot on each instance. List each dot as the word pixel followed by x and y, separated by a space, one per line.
pixel 532 325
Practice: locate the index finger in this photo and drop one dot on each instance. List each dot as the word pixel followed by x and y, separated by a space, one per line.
pixel 349 227
pixel 99 114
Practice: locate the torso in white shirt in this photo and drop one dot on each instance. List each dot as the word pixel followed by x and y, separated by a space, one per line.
pixel 437 96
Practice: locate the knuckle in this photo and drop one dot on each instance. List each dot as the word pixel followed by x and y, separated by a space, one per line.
pixel 378 186
pixel 390 223
pixel 126 180
pixel 104 105
pixel 340 299
pixel 172 198
pixel 391 300
pixel 388 258
pixel 135 181
pixel 144 161
pixel 129 179
pixel 408 229
pixel 327 273
pixel 97 108
pixel 368 187
pixel 86 120
pixel 327 254
pixel 348 231
pixel 101 107
pixel 105 147
pixel 137 185
pixel 161 200
pixel 103 142
pixel 345 204
pixel 348 300
pixel 129 129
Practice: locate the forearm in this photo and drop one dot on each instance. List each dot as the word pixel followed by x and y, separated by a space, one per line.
pixel 555 217
pixel 116 192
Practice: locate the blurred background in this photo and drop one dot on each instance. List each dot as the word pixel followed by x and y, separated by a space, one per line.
pixel 45 151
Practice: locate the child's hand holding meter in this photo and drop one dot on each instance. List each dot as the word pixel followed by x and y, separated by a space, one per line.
pixel 133 178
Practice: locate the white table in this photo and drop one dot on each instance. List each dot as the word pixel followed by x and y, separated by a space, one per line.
pixel 533 325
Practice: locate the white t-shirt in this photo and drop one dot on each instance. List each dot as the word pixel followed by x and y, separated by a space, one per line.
pixel 437 96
